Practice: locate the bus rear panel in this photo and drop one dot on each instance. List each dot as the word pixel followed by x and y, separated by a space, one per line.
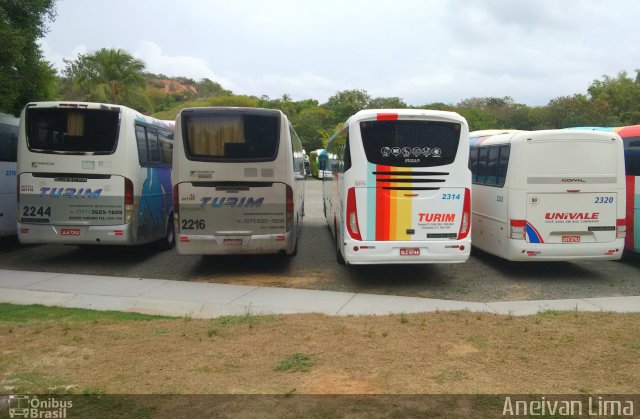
pixel 406 196
pixel 234 185
pixel 80 175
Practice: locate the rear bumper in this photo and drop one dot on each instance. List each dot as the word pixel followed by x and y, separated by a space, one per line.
pixel 99 235
pixel 519 250
pixel 451 251
pixel 201 244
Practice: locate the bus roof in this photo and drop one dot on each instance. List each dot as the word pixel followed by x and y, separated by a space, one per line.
pixel 551 134
pixel 387 114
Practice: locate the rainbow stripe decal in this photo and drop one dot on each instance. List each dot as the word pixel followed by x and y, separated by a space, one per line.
pixel 389 212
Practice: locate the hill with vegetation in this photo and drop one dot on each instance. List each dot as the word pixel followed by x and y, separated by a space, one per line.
pixel 115 76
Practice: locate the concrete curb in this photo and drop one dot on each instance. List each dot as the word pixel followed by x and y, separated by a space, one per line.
pixel 207 300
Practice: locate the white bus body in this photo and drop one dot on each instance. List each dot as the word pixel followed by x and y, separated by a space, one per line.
pixel 92 173
pixel 398 188
pixel 8 149
pixel 238 179
pixel 548 195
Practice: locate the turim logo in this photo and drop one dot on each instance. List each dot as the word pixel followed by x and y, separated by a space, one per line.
pixel 232 202
pixel 70 193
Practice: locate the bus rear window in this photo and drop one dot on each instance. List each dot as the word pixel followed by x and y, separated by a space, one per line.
pixel 405 143
pixel 8 142
pixel 72 130
pixel 231 137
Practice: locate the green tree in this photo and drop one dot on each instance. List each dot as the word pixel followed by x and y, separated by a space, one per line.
pixel 312 126
pixel 24 75
pixel 345 103
pixel 578 110
pixel 387 103
pixel 622 93
pixel 108 75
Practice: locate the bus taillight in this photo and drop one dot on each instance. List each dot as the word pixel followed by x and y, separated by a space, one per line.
pixel 465 226
pixel 518 229
pixel 289 208
pixel 352 215
pixel 621 228
pixel 128 200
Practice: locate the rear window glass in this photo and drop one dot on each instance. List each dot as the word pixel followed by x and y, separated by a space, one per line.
pixel 8 142
pixel 231 137
pixel 73 130
pixel 410 143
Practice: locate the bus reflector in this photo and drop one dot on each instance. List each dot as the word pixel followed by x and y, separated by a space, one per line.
pixel 352 215
pixel 621 228
pixel 24 231
pixel 184 239
pixel 465 225
pixel 518 229
pixel 387 117
pixel 128 200
pixel 289 208
pixel 117 232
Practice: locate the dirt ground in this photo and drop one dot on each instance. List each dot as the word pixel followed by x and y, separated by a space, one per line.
pixel 441 353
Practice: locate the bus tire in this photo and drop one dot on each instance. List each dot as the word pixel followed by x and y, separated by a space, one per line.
pixel 169 240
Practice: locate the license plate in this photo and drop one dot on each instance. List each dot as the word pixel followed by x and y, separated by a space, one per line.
pixel 409 251
pixel 232 242
pixel 570 239
pixel 70 232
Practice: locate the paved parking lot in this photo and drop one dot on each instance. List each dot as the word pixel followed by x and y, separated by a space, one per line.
pixel 482 278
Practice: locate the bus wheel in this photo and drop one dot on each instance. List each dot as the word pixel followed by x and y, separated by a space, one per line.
pixel 169 240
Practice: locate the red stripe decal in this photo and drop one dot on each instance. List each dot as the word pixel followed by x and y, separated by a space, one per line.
pixel 631 190
pixel 382 209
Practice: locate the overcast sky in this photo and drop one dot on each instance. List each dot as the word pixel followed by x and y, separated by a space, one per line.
pixel 423 51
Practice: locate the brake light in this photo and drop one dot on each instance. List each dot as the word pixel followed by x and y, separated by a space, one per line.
pixel 621 228
pixel 387 117
pixel 465 225
pixel 352 215
pixel 289 208
pixel 128 200
pixel 518 229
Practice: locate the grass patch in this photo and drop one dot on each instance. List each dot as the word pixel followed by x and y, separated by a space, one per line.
pixel 248 319
pixel 296 362
pixel 26 313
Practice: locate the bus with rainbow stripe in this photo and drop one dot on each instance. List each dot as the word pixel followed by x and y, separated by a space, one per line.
pixel 398 187
pixel 631 138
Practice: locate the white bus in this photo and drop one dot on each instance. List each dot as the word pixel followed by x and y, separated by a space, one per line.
pixel 8 149
pixel 238 180
pixel 398 189
pixel 548 195
pixel 92 173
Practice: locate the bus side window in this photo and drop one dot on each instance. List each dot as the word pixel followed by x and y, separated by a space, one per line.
pixel 492 165
pixel 141 140
pixel 154 149
pixel 347 154
pixel 503 164
pixel 482 165
pixel 166 146
pixel 473 163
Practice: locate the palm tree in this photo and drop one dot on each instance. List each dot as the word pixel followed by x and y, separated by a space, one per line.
pixel 108 75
